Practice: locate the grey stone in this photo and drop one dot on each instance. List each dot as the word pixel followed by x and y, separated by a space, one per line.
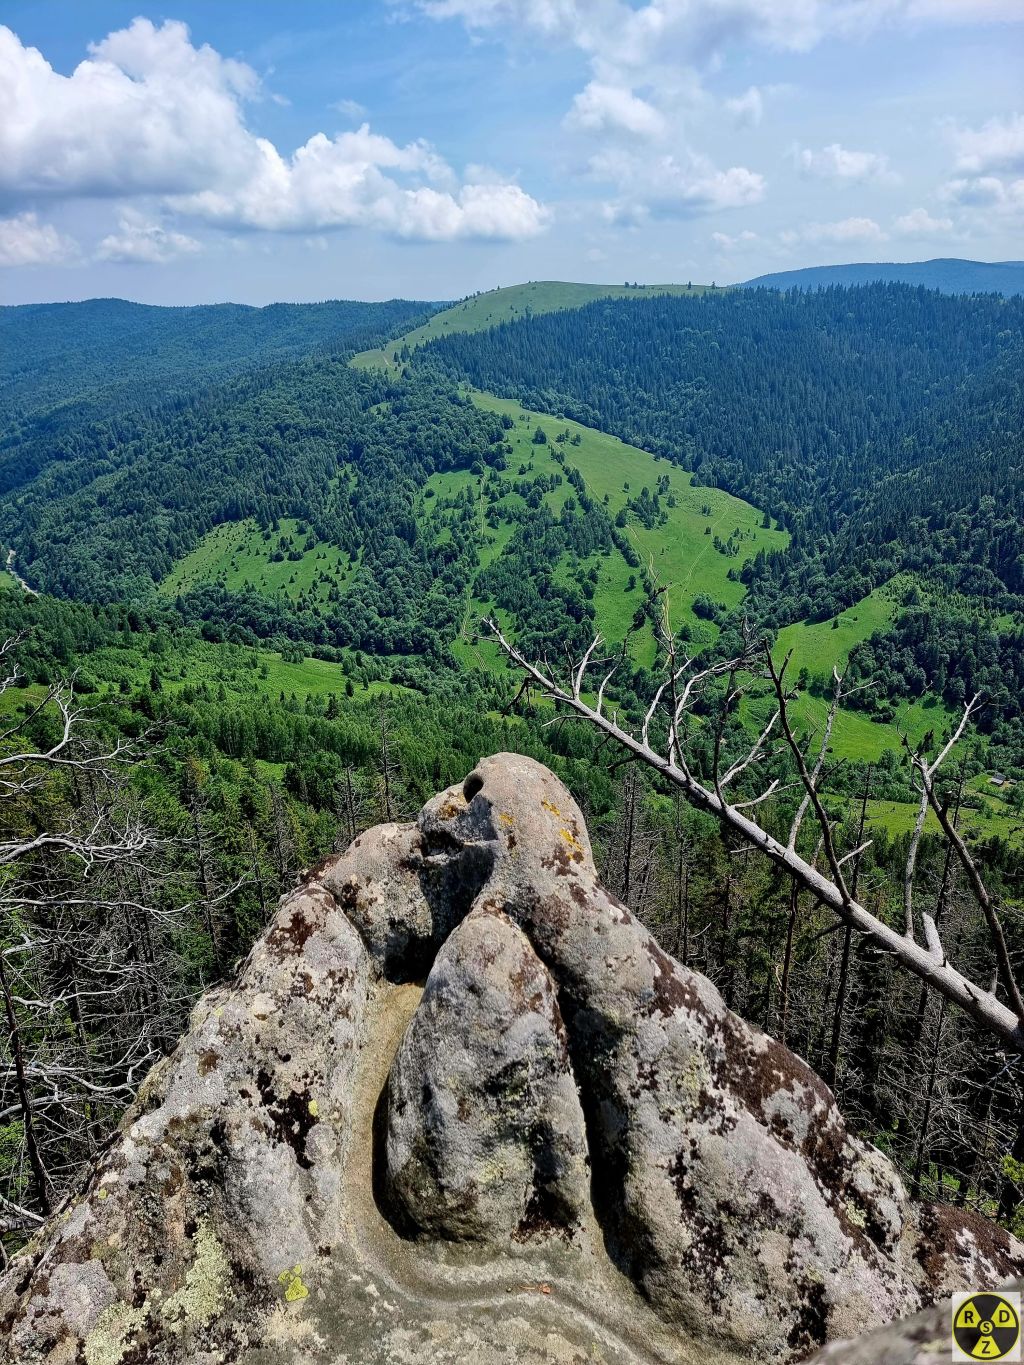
pixel 485 1135
pixel 342 1164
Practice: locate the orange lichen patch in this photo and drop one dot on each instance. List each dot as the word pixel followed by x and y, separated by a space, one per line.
pixel 550 805
pixel 450 809
pixel 505 818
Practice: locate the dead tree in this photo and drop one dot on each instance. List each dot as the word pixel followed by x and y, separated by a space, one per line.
pixel 918 948
pixel 92 986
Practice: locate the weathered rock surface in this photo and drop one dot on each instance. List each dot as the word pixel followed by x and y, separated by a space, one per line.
pixel 485 1136
pixel 338 1164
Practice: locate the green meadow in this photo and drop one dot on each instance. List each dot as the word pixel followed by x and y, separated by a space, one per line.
pixel 239 555
pixel 679 555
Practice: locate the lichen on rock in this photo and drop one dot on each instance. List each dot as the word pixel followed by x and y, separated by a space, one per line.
pixel 459 1103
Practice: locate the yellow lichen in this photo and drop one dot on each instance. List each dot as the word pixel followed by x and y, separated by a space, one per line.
pixel 505 818
pixel 202 1296
pixel 107 1343
pixel 314 1109
pixel 294 1289
pixel 855 1215
pixel 550 805
pixel 574 844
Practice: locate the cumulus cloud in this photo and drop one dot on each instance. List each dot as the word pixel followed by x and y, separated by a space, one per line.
pixel 353 181
pixel 620 33
pixel 839 163
pixel 672 186
pixel 614 108
pixel 24 240
pixel 997 145
pixel 988 193
pixel 149 114
pixel 846 230
pixel 747 109
pixel 139 242
pixel 663 48
pixel 725 242
pixel 920 223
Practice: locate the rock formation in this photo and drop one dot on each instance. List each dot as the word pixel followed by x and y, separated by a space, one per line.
pixel 460 1105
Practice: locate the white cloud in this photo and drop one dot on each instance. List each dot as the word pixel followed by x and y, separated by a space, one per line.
pixel 138 242
pixel 836 162
pixel 623 34
pixel 747 109
pixel 351 109
pixel 601 108
pixel 846 230
pixel 989 193
pixel 149 114
pixel 997 145
pixel 663 49
pixel 24 240
pixel 737 243
pixel 920 223
pixel 350 181
pixel 672 186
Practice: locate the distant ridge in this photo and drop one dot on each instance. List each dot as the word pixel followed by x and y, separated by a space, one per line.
pixel 948 275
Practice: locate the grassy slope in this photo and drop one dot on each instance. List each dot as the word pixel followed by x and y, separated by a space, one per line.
pixel 681 555
pixel 244 672
pixel 516 301
pixel 236 555
pixel 819 648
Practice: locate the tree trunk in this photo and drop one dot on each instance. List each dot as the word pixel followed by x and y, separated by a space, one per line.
pixel 35 1161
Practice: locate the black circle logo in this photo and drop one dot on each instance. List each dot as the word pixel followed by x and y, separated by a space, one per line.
pixel 986 1327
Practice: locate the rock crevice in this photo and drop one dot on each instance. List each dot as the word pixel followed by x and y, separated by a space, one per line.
pixel 581 1152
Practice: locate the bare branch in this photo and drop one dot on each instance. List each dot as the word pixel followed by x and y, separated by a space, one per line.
pixel 936 972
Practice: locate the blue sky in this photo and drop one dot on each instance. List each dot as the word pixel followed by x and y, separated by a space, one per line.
pixel 430 148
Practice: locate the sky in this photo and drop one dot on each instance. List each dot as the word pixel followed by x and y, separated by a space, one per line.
pixel 266 151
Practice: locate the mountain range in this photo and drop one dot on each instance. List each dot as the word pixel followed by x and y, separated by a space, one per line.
pixel 947 274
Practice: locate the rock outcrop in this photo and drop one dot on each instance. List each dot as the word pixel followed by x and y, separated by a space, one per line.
pixel 459 1104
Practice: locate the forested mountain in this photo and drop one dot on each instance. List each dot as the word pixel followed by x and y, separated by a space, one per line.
pixel 52 353
pixel 267 569
pixel 315 440
pixel 873 422
pixel 65 365
pixel 948 275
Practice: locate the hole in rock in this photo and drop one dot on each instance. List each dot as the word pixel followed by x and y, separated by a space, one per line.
pixel 473 784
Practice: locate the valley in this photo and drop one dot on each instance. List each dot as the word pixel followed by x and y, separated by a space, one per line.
pixel 511 682
pixel 668 531
pixel 272 583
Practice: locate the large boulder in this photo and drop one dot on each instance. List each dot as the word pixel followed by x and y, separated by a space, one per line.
pixel 459 1104
pixel 485 1136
